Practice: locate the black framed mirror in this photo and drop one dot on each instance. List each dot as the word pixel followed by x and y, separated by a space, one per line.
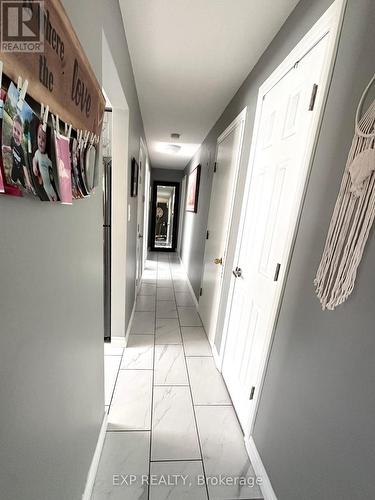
pixel 164 217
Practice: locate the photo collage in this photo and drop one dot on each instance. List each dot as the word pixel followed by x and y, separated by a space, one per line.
pixel 40 157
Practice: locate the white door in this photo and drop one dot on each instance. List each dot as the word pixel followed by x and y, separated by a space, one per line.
pixel 140 212
pixel 228 155
pixel 274 195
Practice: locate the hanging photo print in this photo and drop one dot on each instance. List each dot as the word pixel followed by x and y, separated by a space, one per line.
pixel 2 188
pixel 90 167
pixel 9 189
pixel 96 164
pixel 82 165
pixel 42 170
pixel 193 190
pixel 2 185
pixel 63 165
pixel 17 119
pixel 134 178
pixel 74 157
pixel 2 98
pixel 76 194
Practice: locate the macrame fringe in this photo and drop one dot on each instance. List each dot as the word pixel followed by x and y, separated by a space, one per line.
pixel 352 217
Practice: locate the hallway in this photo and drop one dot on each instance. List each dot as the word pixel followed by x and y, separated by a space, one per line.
pixel 169 404
pixel 187 199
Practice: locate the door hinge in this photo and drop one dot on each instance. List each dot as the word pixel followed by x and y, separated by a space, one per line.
pixel 252 393
pixel 215 166
pixel 201 292
pixel 207 235
pixel 277 272
pixel 313 97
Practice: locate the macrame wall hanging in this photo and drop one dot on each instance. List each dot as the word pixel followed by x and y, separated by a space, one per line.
pixel 353 215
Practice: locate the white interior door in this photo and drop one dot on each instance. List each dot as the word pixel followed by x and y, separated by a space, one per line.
pixel 228 155
pixel 140 212
pixel 274 195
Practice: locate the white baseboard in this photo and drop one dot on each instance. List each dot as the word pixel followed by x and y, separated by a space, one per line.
pixel 99 446
pixel 259 469
pixel 189 284
pixel 216 357
pixel 95 460
pixel 130 323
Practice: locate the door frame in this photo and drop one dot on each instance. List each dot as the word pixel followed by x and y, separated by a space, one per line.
pixel 182 214
pixel 329 24
pixel 140 220
pixel 146 221
pixel 175 218
pixel 239 120
pixel 120 202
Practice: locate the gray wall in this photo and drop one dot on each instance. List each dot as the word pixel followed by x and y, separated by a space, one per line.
pixel 51 310
pixel 166 174
pixel 195 224
pixel 315 426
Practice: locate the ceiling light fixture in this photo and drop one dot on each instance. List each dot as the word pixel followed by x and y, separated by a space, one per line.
pixel 185 150
pixel 172 148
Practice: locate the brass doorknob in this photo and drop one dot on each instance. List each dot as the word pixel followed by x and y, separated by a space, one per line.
pixel 218 261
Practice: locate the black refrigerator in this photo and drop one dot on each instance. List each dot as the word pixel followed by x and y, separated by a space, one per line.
pixel 107 217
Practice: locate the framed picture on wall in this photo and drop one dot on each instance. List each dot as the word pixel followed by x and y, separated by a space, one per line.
pixel 192 194
pixel 134 178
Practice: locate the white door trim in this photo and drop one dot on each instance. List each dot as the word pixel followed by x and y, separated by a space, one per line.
pixel 140 222
pixel 240 120
pixel 241 117
pixel 146 211
pixel 120 202
pixel 182 214
pixel 329 24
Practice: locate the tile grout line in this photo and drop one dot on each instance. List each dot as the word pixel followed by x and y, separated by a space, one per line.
pixel 152 386
pixel 186 357
pixel 231 405
pixel 176 460
pixel 191 396
pixel 117 375
pixel 127 430
pixel 115 384
pixel 198 356
pixel 123 369
pixel 171 385
pixel 136 369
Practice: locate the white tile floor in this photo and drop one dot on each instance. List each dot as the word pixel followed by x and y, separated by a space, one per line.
pixel 171 423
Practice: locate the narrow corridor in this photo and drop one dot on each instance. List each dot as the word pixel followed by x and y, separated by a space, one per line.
pixel 169 404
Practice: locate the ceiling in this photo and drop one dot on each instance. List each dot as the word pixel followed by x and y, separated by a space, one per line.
pixel 189 58
pixel 165 192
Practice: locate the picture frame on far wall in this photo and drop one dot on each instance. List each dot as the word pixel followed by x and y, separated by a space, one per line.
pixel 192 194
pixel 134 178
